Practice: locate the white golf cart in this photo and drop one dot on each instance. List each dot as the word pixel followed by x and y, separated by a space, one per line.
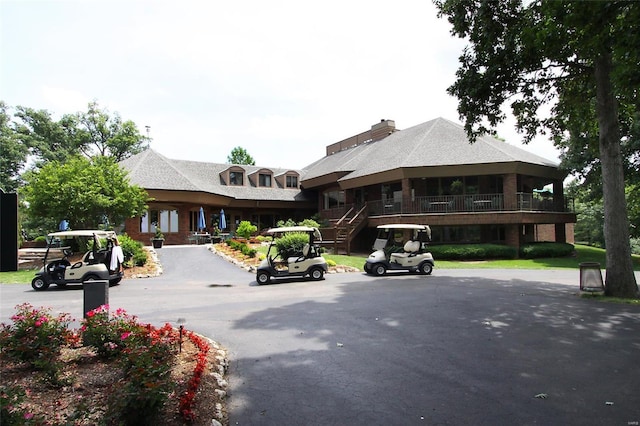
pixel 66 247
pixel 292 261
pixel 400 247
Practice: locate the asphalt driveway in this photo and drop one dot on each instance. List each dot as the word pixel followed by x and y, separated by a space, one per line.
pixel 457 347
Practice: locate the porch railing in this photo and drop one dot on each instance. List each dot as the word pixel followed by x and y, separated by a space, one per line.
pixel 458 204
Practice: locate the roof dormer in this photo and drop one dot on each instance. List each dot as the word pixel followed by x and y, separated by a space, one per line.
pixel 261 178
pixel 289 179
pixel 233 176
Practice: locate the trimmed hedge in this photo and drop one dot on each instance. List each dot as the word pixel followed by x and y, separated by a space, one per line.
pixel 243 248
pixel 546 249
pixel 472 252
pixel 496 251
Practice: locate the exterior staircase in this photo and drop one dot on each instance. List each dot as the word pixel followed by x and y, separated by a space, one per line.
pixel 341 232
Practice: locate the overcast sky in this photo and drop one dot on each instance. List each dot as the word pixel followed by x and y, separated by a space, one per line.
pixel 281 79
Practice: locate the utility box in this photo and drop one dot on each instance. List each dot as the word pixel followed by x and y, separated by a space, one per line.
pixel 591 277
pixel 96 294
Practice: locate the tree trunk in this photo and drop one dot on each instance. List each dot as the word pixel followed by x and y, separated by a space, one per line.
pixel 620 280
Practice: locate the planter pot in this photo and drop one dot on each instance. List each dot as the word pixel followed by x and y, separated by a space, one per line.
pixel 157 242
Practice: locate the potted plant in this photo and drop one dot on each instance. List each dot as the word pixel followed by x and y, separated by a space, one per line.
pixel 157 239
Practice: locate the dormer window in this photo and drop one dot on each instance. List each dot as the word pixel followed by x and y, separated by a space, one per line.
pixel 292 181
pixel 288 179
pixel 264 180
pixel 236 178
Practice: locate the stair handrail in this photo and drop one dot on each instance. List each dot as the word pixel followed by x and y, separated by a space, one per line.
pixel 339 222
pixel 357 215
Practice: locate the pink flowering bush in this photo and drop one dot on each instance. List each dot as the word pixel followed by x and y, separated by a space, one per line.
pixel 36 337
pixel 145 355
pixel 108 336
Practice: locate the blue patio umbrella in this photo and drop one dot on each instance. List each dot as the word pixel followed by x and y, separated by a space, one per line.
pixel 201 221
pixel 223 220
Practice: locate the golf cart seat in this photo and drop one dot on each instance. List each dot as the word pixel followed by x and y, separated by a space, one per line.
pixel 410 249
pixel 305 254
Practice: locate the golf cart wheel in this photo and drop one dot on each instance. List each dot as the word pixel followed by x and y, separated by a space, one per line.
pixel 426 268
pixel 115 282
pixel 366 268
pixel 379 269
pixel 39 284
pixel 262 277
pixel 316 274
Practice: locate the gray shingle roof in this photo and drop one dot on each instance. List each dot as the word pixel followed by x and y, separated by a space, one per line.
pixel 151 170
pixel 438 142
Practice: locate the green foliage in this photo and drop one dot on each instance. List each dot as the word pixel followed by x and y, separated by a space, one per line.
pixel 84 192
pixel 473 252
pixel 246 229
pixel 546 249
pixel 633 207
pixel 144 353
pixel 158 235
pixel 107 335
pixel 291 244
pixel 36 337
pixel 13 153
pixel 635 245
pixel 11 397
pixel 290 222
pixel 92 133
pixel 132 250
pixel 286 223
pixel 331 262
pixel 240 155
pixel 242 247
pixel 576 57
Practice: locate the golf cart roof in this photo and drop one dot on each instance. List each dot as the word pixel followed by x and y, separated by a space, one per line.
pixel 403 226
pixel 291 229
pixel 83 233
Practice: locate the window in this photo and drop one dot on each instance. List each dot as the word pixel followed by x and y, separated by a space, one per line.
pixel 166 220
pixel 236 178
pixel 333 199
pixel 264 180
pixel 292 181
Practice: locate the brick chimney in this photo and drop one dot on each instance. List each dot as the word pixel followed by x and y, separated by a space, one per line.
pixel 378 131
pixel 382 129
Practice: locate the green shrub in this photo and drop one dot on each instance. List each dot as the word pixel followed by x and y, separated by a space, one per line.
pixel 132 250
pixel 248 251
pixel 291 244
pixel 37 338
pixel 242 247
pixel 290 222
pixel 546 249
pixel 473 252
pixel 139 259
pixel 246 229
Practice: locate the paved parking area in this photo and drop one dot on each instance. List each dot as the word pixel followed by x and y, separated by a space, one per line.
pixel 457 347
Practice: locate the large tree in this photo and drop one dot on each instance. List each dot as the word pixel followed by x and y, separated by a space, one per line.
pixel 95 132
pixel 83 191
pixel 239 155
pixel 13 153
pixel 579 58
